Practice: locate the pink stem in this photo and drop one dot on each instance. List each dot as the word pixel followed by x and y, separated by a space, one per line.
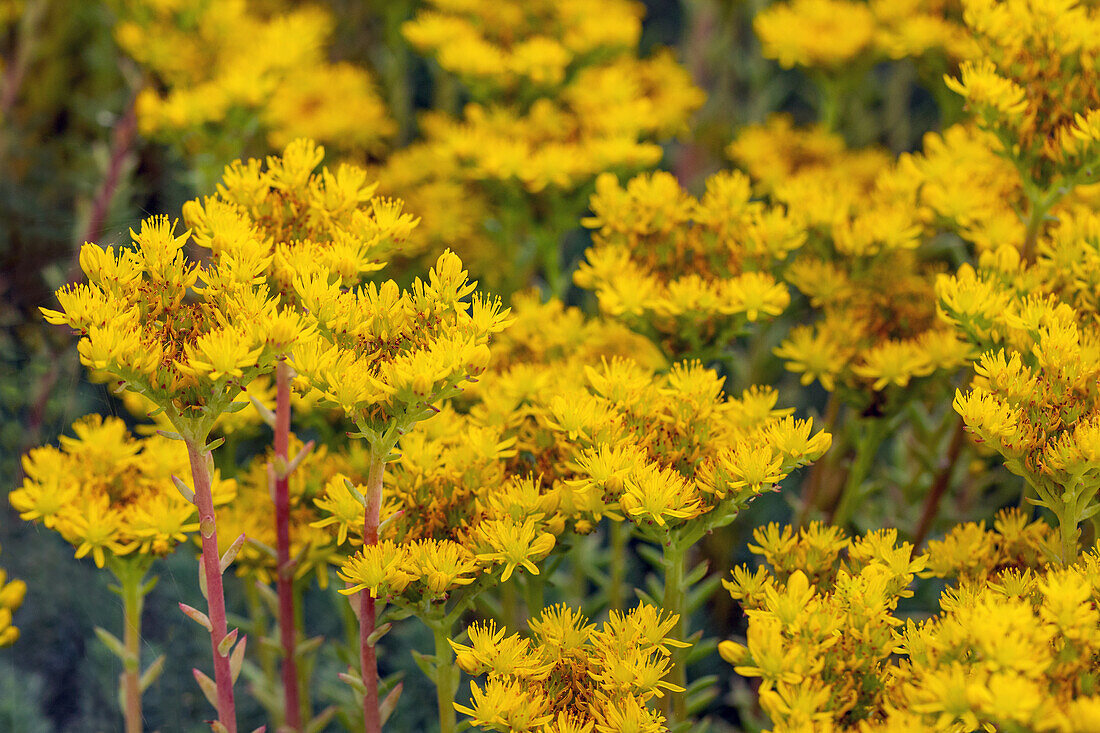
pixel 122 140
pixel 285 576
pixel 215 595
pixel 372 715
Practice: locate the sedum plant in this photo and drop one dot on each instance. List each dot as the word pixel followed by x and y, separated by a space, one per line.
pixel 1012 646
pixel 1033 399
pixel 384 356
pixel 568 675
pixel 188 337
pixel 112 497
pixel 221 77
pixel 301 219
pixel 1035 92
pixel 536 99
pixel 689 273
pixel 676 458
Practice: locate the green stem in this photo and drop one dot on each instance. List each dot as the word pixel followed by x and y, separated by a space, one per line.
pixel 397 70
pixel 867 446
pixel 620 534
pixel 830 104
pixel 549 255
pixel 579 591
pixel 131 576
pixel 1040 206
pixel 305 666
pixel 509 606
pixel 1068 532
pixel 257 614
pixel 812 486
pixel 673 603
pixel 898 98
pixel 533 594
pixel 446 673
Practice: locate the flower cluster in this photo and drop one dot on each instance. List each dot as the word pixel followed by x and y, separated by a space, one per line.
pixel 663 450
pixel 111 494
pixel 688 272
pixel 300 219
pixel 1013 650
pixel 223 69
pixel 185 335
pixel 451 515
pixel 533 43
pixel 821 621
pixel 832 34
pixel 863 268
pixel 1034 397
pixel 568 675
pixel 11 598
pixel 1032 82
pixel 558 94
pixel 384 355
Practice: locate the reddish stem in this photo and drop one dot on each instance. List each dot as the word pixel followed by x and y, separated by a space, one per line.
pixel 939 485
pixel 372 715
pixel 122 139
pixel 215 595
pixel 285 575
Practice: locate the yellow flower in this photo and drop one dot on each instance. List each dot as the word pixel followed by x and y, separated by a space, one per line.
pixel 442 565
pixel 384 569
pixel 827 33
pixel 512 544
pixel 893 362
pixel 652 494
pixel 12 593
pixel 812 354
pixel 984 88
pixel 342 508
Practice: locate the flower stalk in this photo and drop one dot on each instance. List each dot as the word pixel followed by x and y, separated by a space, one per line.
pixel 132 588
pixel 446 673
pixel 673 557
pixel 212 577
pixel 368 660
pixel 285 574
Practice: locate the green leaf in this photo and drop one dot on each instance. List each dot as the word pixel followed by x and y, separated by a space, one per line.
pixel 320 720
pixel 197 616
pixel 231 553
pixel 702 649
pixel 111 642
pixel 354 681
pixel 378 633
pixel 308 647
pixel 227 643
pixel 426 663
pixel 651 555
pixel 237 659
pixel 389 704
pixel 209 689
pixel 149 585
pixel 151 673
pixel 185 491
pixel 697 573
pixel 700 594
